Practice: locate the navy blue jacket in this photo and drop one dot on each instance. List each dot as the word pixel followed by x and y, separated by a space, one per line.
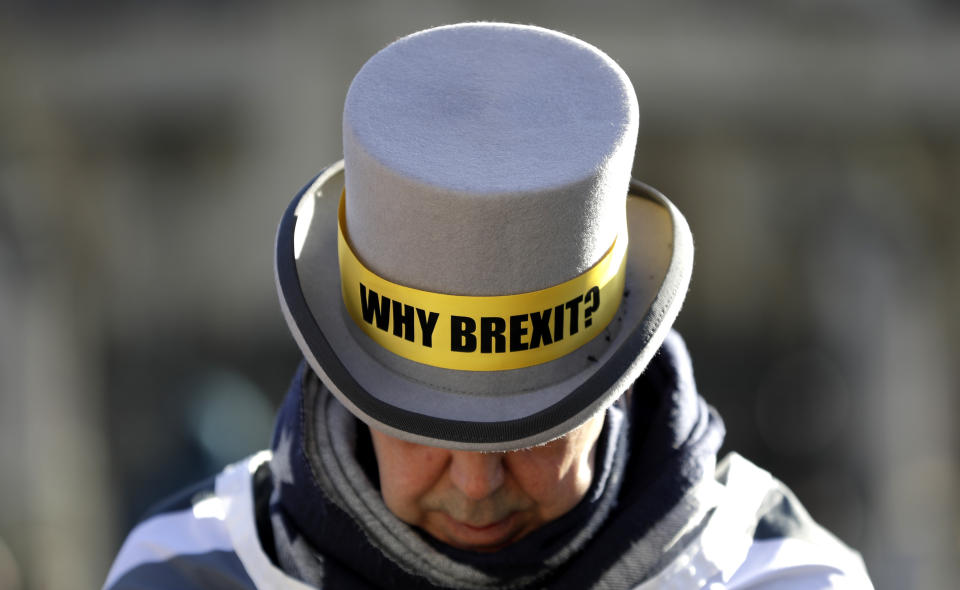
pixel 662 514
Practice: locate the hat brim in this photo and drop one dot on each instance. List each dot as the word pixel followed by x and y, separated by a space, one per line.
pixel 659 265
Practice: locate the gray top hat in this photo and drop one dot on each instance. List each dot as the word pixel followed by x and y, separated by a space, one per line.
pixel 496 285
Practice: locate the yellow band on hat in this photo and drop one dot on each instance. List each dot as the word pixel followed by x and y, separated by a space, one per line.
pixel 482 333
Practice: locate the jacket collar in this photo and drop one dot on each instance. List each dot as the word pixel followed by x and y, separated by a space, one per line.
pixel 323 499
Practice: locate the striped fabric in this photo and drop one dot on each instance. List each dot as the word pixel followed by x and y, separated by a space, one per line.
pixel 680 520
pixel 758 536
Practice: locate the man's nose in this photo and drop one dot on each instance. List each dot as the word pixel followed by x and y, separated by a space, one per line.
pixel 476 475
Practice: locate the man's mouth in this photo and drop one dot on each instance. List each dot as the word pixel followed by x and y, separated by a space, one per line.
pixel 482 536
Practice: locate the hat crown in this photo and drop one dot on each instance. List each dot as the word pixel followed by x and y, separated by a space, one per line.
pixel 486 159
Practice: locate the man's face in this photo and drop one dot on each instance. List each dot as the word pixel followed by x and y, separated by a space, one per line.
pixel 485 501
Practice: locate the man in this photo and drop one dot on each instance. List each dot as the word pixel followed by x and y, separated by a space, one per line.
pixel 492 396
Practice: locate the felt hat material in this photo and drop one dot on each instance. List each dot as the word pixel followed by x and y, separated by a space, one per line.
pixel 484 160
pixel 503 145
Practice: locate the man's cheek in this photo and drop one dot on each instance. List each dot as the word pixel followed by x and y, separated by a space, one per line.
pixel 402 506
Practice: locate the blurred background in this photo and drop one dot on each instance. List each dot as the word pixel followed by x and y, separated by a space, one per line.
pixel 147 151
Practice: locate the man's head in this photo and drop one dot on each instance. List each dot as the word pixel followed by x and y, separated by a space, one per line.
pixel 485 501
pixel 496 288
